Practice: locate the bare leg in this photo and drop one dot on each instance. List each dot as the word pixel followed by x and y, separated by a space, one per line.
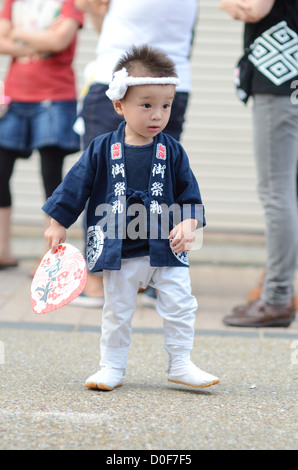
pixel 94 286
pixel 6 257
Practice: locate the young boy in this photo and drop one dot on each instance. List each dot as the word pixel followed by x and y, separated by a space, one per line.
pixel 137 170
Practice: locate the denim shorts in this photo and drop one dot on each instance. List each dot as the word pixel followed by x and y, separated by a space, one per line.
pixel 29 126
pixel 100 117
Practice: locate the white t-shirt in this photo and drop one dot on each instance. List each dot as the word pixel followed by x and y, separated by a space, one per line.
pixel 166 24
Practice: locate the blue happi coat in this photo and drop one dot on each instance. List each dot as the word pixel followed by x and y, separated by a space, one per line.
pixel 99 178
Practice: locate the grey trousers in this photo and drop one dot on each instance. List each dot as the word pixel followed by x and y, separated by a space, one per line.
pixel 276 152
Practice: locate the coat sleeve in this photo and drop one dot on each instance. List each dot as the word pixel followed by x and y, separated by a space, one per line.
pixel 70 198
pixel 187 191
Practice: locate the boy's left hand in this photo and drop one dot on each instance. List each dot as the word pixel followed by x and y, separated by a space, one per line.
pixel 183 236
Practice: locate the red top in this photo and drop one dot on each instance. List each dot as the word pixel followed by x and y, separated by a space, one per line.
pixel 50 78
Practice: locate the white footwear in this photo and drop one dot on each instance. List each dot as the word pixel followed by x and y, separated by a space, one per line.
pixel 107 378
pixel 192 376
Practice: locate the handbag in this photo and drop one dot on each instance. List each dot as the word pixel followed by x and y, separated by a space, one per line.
pixel 243 74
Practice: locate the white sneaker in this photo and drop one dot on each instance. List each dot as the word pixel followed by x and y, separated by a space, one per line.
pixel 107 378
pixel 192 376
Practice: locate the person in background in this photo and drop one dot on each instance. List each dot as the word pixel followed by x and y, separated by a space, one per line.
pixel 267 71
pixel 38 109
pixel 168 25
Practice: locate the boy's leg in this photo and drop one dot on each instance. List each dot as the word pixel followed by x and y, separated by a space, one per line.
pixel 121 288
pixel 177 306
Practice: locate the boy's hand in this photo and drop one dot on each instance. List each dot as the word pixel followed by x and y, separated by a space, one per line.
pixel 55 235
pixel 183 236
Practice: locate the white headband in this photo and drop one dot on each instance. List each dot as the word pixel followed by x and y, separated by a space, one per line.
pixel 121 81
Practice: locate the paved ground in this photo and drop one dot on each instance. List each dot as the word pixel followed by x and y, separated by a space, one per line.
pixel 44 361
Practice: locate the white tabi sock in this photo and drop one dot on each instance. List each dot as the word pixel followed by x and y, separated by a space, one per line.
pixel 183 371
pixel 106 378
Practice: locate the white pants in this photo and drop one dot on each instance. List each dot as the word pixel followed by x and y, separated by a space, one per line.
pixel 175 304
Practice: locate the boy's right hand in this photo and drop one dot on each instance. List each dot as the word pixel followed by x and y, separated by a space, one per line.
pixel 55 235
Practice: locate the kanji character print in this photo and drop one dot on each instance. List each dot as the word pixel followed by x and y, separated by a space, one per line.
pixel 116 151
pixel 161 153
pixel 159 169
pixel 157 189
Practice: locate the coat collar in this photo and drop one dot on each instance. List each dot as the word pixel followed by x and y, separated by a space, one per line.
pixel 157 182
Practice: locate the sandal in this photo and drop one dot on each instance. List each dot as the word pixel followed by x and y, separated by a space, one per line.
pixel 11 264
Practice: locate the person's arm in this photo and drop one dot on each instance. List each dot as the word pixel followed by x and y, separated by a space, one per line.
pixel 55 235
pixel 54 39
pixel 189 215
pixel 97 10
pixel 8 46
pixel 249 11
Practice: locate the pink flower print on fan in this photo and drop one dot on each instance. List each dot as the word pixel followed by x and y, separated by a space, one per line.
pixel 63 276
pixel 62 279
pixel 46 262
pixel 78 274
pixel 60 251
pixel 53 294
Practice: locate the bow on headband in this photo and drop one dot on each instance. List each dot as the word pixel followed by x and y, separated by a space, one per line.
pixel 121 81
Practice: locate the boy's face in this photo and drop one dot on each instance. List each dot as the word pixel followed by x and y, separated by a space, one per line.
pixel 146 110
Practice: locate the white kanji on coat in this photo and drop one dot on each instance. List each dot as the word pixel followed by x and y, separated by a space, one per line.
pixel 117 207
pixel 157 189
pixel 155 207
pixel 159 169
pixel 116 169
pixel 119 189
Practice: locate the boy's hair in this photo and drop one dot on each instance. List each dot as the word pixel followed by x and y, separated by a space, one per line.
pixel 146 61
